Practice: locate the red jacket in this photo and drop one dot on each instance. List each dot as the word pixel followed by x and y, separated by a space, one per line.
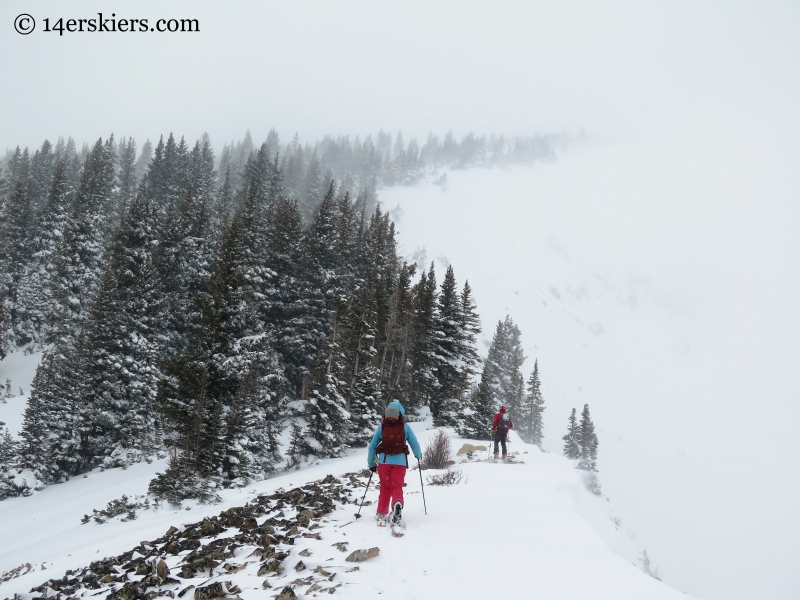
pixel 498 417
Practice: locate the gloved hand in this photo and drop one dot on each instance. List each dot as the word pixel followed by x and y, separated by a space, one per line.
pixel 418 457
pixel 373 468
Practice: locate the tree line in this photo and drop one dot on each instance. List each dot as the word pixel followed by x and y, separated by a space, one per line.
pixel 199 307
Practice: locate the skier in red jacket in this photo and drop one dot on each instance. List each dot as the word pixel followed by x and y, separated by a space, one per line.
pixel 500 426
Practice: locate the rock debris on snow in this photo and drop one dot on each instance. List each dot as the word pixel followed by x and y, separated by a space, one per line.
pixel 218 556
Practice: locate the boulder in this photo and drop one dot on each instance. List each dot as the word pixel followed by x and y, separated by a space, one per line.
pixel 362 555
pixel 469 448
pixel 287 594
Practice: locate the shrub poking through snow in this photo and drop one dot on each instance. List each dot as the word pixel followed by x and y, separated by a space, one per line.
pixel 449 477
pixel 438 451
pixel 120 506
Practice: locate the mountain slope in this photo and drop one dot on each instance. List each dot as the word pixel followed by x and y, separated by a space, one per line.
pixel 515 523
pixel 655 281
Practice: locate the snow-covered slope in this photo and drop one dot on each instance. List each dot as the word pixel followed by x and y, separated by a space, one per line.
pixel 522 523
pixel 18 370
pixel 658 282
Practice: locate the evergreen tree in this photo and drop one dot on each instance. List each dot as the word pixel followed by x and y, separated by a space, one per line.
pixel 511 383
pixel 182 265
pixel 35 294
pixel 313 189
pixel 477 417
pixel 15 248
pixel 2 328
pixel 43 163
pixel 588 442
pixel 572 445
pixel 449 334
pixel 324 413
pixel 127 178
pixel 120 364
pixel 424 359
pixel 529 416
pixel 79 260
pixel 53 439
pixel 222 396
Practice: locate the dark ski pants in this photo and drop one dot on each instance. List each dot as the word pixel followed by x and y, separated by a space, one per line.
pixel 500 437
pixel 392 478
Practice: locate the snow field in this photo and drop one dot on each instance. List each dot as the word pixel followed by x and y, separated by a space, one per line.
pixel 656 281
pixel 506 518
pixel 19 368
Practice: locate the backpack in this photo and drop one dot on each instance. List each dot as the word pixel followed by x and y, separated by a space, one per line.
pixel 504 423
pixel 393 437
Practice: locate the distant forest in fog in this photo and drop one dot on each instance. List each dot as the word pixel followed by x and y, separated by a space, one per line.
pixel 205 306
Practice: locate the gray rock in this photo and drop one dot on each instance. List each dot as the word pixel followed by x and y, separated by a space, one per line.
pixel 362 555
pixel 287 594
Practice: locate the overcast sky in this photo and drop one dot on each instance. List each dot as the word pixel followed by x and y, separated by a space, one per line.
pixel 620 68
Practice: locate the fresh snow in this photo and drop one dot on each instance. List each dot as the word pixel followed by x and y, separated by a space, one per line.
pixel 657 281
pixel 19 368
pixel 531 524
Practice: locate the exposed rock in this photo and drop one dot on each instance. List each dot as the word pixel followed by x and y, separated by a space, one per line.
pixel 305 552
pixel 300 566
pixel 363 555
pixel 287 594
pixel 469 448
pixel 340 546
pixel 162 569
pixel 271 566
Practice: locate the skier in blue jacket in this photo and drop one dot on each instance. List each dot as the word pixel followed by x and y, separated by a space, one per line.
pixel 388 454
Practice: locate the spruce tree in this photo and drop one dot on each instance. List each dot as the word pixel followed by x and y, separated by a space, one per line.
pixel 447 343
pixel 423 359
pixel 35 293
pixel 79 259
pixel 127 178
pixel 43 163
pixel 15 228
pixel 324 413
pixel 120 364
pixel 222 397
pixel 530 414
pixel 572 445
pixel 588 442
pixel 476 420
pixel 470 329
pixel 511 382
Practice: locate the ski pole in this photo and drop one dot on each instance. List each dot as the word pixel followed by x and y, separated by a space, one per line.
pixel 358 514
pixel 491 441
pixel 419 468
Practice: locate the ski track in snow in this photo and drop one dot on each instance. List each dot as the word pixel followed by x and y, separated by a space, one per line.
pixel 531 519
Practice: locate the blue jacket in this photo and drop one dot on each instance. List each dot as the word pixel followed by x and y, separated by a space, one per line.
pixel 393 459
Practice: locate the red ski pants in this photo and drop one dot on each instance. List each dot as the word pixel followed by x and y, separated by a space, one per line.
pixel 392 478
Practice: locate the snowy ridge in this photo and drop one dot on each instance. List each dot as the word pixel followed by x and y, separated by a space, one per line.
pixel 533 521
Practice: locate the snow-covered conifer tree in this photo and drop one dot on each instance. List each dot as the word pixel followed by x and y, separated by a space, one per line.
pixel 572 445
pixel 80 255
pixel 529 415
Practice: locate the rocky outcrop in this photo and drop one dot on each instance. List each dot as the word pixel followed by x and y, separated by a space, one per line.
pixel 201 559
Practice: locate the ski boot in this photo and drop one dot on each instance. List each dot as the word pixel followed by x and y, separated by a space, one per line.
pixel 397 520
pixel 496 455
pixel 382 519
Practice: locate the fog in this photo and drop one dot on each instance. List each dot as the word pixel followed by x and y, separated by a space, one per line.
pixel 353 67
pixel 693 113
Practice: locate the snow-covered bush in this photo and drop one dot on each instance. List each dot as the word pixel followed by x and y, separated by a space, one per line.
pixel 438 451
